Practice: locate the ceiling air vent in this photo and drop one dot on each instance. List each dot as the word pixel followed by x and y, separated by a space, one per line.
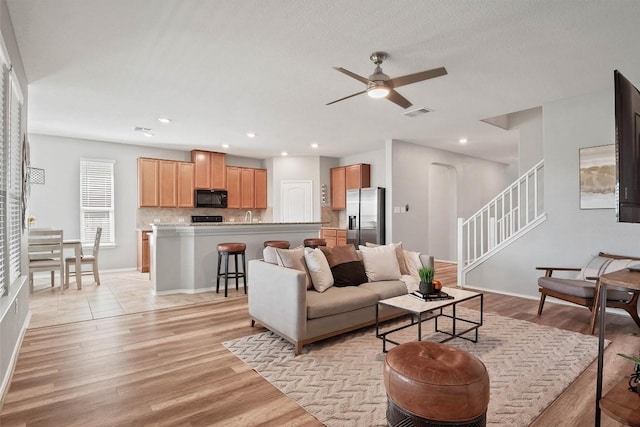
pixel 418 112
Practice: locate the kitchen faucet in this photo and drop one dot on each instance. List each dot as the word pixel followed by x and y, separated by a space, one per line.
pixel 248 215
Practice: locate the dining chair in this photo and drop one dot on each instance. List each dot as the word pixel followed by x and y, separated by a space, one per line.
pixel 85 259
pixel 45 254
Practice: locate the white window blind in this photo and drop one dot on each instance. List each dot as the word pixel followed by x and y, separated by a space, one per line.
pixel 14 193
pixel 3 225
pixel 96 200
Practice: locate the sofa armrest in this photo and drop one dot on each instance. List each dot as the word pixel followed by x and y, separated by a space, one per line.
pixel 549 270
pixel 278 298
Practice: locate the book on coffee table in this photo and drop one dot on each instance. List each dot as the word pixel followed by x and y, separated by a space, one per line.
pixel 436 296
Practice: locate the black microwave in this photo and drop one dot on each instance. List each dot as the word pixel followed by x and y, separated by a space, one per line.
pixel 211 198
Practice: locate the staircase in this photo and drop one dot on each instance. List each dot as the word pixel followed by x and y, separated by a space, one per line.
pixel 510 215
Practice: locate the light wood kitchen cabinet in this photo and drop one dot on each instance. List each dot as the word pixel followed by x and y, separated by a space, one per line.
pixel 165 183
pixel 185 184
pixel 338 188
pixel 143 251
pixel 168 183
pixel 261 188
pixel 148 195
pixel 334 236
pixel 218 171
pixel 345 178
pixel 248 190
pixel 233 187
pixel 210 169
pixel 358 176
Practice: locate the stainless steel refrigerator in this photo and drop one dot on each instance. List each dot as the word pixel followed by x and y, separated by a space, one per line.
pixel 365 216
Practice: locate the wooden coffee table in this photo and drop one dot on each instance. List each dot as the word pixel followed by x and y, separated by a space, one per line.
pixel 422 311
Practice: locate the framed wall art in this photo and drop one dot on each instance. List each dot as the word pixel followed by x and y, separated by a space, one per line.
pixel 598 177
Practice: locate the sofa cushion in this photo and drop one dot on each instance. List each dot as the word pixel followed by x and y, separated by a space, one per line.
pixel 346 267
pixel 386 289
pixel 294 258
pixel 338 300
pixel 380 263
pixel 580 288
pixel 319 269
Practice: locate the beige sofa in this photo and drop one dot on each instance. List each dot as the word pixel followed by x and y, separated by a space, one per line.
pixel 280 301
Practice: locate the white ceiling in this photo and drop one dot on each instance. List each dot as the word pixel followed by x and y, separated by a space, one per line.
pixel 99 68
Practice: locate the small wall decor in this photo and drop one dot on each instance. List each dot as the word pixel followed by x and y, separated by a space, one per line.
pixel 37 175
pixel 598 177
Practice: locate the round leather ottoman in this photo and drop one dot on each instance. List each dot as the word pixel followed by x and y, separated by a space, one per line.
pixel 432 384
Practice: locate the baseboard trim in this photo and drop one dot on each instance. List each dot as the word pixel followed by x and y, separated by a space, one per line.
pixel 4 387
pixel 191 291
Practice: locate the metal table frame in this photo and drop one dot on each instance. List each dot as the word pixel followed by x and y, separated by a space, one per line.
pixel 428 311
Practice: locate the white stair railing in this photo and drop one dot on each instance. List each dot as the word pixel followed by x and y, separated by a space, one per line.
pixel 508 216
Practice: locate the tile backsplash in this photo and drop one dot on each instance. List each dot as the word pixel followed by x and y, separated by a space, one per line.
pixel 146 216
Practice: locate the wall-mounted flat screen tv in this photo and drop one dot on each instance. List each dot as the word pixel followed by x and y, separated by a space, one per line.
pixel 627 113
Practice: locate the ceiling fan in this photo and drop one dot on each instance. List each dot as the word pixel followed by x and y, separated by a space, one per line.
pixel 379 85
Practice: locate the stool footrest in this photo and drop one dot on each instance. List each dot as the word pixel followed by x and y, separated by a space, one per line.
pixel 397 417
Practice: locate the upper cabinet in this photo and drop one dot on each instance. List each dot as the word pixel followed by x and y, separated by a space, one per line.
pixel 247 188
pixel 338 188
pixel 261 188
pixel 148 183
pixel 358 176
pixel 186 179
pixel 210 169
pixel 345 178
pixel 165 183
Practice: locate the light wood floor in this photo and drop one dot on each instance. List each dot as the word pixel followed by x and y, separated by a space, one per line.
pixel 168 368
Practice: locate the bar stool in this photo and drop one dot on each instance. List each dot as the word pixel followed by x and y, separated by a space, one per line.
pixel 235 249
pixel 281 244
pixel 314 243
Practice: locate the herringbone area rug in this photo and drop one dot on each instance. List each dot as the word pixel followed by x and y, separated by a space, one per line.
pixel 339 380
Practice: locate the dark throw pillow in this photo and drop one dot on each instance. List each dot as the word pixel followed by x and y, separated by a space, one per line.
pixel 346 267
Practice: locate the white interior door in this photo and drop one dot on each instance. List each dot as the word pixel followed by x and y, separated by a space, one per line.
pixel 296 201
pixel 442 212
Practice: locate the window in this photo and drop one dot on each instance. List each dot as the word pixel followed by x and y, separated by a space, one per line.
pixel 10 178
pixel 96 200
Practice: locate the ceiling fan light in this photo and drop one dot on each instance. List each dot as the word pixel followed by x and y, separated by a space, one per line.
pixel 378 92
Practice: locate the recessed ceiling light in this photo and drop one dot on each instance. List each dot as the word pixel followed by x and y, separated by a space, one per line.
pixel 164 120
pixel 284 153
pixel 225 145
pixel 462 140
pixel 147 134
pixel 251 134
pixel 314 146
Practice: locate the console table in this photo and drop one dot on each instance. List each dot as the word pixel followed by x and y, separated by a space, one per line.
pixel 616 404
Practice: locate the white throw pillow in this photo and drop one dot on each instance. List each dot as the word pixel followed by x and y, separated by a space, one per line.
pixel 594 268
pixel 319 269
pixel 380 263
pixel 294 258
pixel 402 263
pixel 413 263
pixel 270 255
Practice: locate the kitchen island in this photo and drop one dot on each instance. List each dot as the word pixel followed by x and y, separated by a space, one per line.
pixel 184 257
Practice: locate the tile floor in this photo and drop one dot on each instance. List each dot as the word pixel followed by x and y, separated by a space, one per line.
pixel 119 293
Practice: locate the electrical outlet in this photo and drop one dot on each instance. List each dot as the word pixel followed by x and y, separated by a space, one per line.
pixel 156 220
pixel 180 219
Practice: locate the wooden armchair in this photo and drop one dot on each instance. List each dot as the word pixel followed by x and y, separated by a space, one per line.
pixel 583 290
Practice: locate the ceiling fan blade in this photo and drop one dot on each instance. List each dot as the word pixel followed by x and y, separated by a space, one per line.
pixel 346 97
pixel 396 98
pixel 417 77
pixel 353 75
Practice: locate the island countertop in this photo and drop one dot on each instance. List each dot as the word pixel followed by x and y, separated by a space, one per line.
pixel 184 256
